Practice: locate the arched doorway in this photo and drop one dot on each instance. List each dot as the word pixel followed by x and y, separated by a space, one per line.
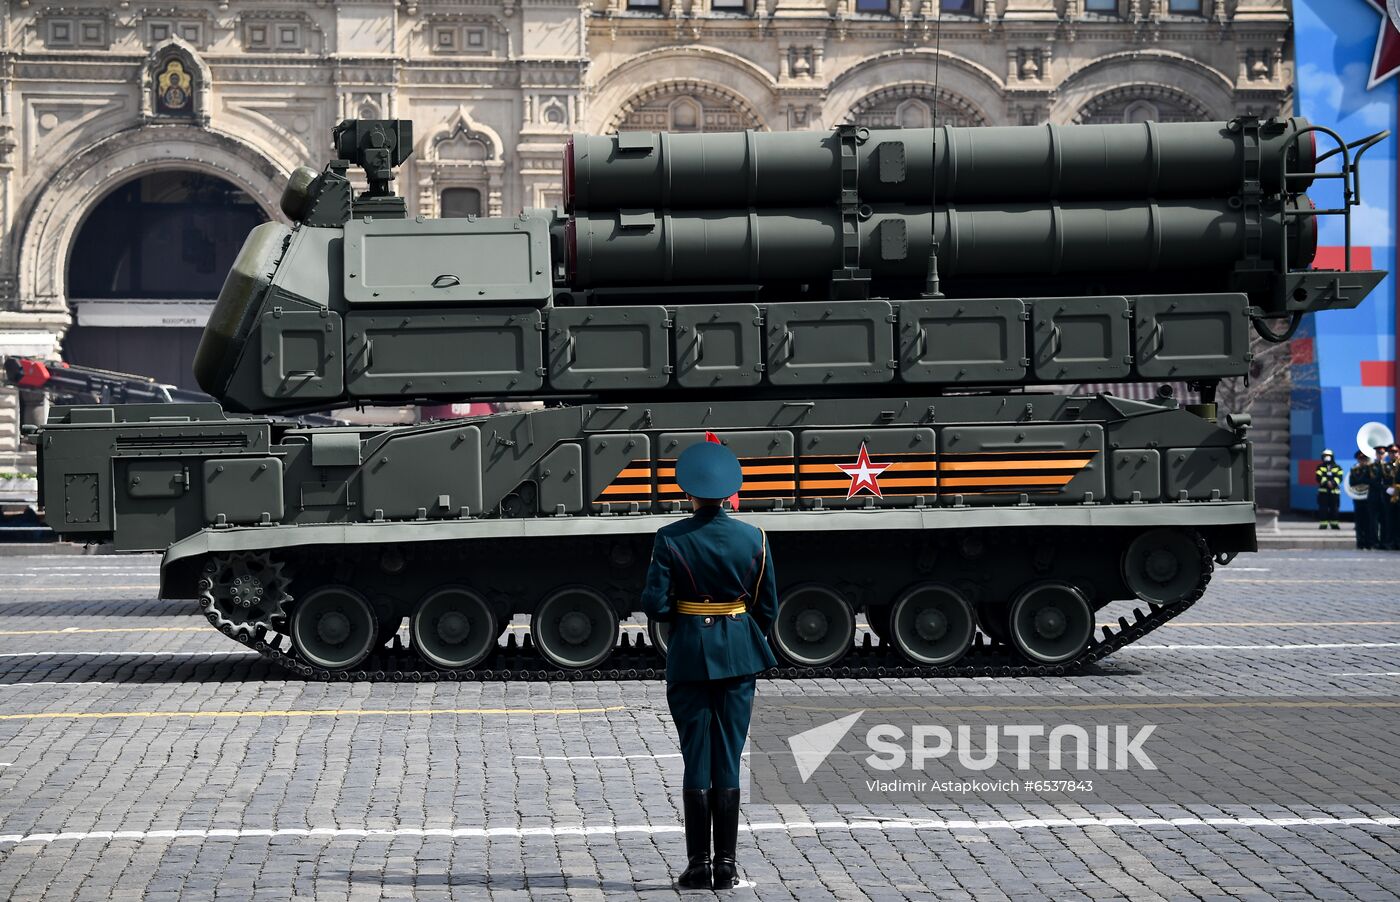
pixel 145 267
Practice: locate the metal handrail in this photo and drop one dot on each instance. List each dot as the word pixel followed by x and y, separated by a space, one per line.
pixel 1349 173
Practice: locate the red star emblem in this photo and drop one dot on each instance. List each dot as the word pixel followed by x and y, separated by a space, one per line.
pixel 865 476
pixel 1386 61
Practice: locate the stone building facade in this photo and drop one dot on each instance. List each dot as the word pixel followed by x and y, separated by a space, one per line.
pixel 95 94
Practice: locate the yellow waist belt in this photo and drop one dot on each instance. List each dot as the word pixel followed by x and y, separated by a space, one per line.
pixel 711 608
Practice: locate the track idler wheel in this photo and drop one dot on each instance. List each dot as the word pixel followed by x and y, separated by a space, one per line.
pixel 1051 622
pixel 334 627
pixel 575 628
pixel 453 628
pixel 932 624
pixel 815 626
pixel 1163 566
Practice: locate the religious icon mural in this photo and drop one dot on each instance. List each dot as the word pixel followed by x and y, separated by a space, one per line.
pixel 174 89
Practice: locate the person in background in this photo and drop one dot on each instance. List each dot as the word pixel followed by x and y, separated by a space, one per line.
pixel 1378 481
pixel 711 577
pixel 1392 501
pixel 1360 477
pixel 1329 491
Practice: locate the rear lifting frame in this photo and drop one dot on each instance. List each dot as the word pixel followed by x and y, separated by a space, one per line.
pixel 1350 175
pixel 636 661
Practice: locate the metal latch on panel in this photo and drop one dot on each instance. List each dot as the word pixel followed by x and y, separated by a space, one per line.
pixel 640 220
pixel 636 142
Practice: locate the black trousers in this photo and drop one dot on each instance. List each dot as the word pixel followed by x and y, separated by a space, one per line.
pixel 1365 529
pixel 1328 504
pixel 1379 505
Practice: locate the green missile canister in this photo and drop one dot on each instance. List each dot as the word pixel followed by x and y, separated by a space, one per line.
pixel 647 170
pixel 1045 239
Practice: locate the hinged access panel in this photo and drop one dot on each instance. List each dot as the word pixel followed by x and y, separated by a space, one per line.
pixel 301 354
pixel 831 343
pixel 424 352
pixel 718 346
pixel 451 261
pixel 1081 339
pixel 1201 336
pixel 423 474
pixel 596 348
pixel 969 341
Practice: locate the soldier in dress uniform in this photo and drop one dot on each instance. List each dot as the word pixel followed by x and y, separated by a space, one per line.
pixel 1378 497
pixel 1329 491
pixel 711 577
pixel 1392 506
pixel 1360 477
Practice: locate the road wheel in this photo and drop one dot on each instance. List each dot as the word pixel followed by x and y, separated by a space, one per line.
pixel 1051 622
pixel 932 624
pixel 334 627
pixel 575 628
pixel 815 626
pixel 453 628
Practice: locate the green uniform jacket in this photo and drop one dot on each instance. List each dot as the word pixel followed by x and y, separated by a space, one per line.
pixel 712 557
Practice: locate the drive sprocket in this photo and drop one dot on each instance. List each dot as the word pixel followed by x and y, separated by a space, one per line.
pixel 244 592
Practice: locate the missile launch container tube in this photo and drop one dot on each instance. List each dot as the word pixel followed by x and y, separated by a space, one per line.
pixel 905 335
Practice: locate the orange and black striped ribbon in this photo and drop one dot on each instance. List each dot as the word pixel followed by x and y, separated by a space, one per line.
pixel 817 476
pixel 1009 472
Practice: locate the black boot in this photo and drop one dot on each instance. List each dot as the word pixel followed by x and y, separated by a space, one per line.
pixel 697 840
pixel 725 808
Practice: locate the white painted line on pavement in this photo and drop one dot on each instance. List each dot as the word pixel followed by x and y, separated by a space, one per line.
pixel 1318 645
pixel 1384 673
pixel 4 764
pixel 882 826
pixel 1250 569
pixel 127 654
pixel 59 683
pixel 596 757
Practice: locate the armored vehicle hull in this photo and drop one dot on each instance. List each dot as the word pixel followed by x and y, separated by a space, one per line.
pixel 896 448
pixel 979 511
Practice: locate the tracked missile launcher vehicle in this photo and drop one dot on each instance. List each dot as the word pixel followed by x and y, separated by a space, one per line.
pixel 888 327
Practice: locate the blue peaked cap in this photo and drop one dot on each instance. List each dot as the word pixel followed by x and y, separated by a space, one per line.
pixel 709 470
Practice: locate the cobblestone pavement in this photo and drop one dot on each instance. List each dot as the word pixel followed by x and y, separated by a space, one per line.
pixel 143 756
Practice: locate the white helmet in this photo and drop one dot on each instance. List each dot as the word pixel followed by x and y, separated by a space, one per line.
pixel 1328 453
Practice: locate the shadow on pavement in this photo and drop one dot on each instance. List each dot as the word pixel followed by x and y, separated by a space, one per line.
pixel 132 669
pixel 89 607
pixel 502 882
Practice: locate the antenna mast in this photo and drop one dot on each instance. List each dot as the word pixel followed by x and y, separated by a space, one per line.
pixel 932 288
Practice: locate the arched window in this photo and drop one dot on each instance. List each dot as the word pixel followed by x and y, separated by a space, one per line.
pixel 458 203
pixel 168 236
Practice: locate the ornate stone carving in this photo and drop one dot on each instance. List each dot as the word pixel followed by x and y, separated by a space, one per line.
pixel 912 106
pixel 460 153
pixel 686 105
